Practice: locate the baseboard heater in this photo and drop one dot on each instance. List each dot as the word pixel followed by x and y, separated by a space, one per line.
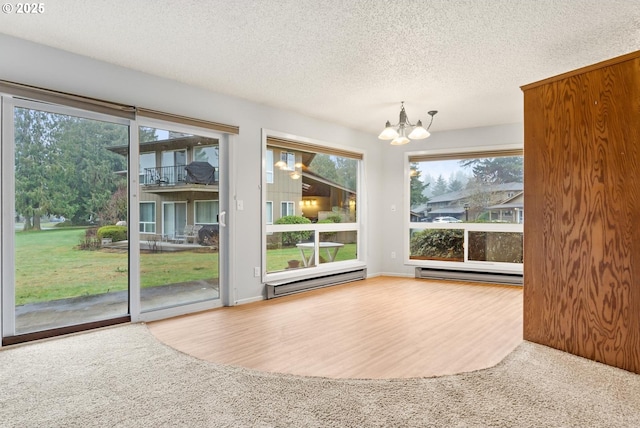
pixel 285 287
pixel 458 275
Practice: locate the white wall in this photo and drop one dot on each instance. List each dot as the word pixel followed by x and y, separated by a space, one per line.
pixel 37 65
pixel 33 64
pixel 393 183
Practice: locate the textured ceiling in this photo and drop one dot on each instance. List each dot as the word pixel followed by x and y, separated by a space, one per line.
pixel 349 62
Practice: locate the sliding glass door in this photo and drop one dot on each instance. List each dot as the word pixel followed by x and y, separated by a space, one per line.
pixel 97 230
pixel 65 259
pixel 180 236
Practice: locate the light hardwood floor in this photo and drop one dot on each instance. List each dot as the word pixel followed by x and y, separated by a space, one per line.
pixel 377 328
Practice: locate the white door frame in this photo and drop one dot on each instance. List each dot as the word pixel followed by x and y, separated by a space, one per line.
pixel 224 235
pixel 7 193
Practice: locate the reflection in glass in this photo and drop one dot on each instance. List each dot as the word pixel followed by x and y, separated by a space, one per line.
pixel 178 218
pixel 315 186
pixel 290 250
pixel 338 246
pixel 495 246
pixel 437 244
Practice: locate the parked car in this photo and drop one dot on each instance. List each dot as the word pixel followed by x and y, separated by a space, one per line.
pixel 446 219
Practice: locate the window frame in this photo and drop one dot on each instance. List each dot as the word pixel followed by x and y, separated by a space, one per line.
pixel 195 211
pixel 289 158
pixel 285 211
pixel 155 217
pixel 357 226
pixel 269 168
pixel 409 226
pixel 269 220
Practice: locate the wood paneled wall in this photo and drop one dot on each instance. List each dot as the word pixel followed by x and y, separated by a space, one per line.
pixel 582 201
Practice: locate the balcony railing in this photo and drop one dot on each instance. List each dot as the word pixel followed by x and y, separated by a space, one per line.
pixel 165 175
pixel 178 174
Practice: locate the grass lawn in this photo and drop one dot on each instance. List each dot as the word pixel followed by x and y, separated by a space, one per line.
pixel 277 259
pixel 49 266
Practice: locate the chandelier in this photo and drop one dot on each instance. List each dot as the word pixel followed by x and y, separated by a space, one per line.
pixel 397 133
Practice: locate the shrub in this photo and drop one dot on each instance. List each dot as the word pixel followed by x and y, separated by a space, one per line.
pixel 116 233
pixel 90 241
pixel 292 238
pixel 438 243
pixel 333 218
pixel 330 236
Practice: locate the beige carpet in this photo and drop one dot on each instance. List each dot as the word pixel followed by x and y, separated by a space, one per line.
pixel 123 377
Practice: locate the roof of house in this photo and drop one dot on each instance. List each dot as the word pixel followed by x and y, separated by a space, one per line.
pixel 465 193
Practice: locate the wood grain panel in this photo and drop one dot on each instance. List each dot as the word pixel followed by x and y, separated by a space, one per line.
pixel 582 197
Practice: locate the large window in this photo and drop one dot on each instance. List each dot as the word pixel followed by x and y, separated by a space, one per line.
pixel 316 189
pixel 466 210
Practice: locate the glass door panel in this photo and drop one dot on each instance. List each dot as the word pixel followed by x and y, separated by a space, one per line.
pixel 179 264
pixel 70 203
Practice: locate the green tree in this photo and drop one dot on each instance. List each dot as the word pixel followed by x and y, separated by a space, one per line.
pixel 347 170
pixel 116 208
pixel 63 166
pixel 454 184
pixel 342 171
pixel 146 134
pixel 505 169
pixel 323 166
pixel 417 187
pixel 90 168
pixel 36 170
pixel 441 186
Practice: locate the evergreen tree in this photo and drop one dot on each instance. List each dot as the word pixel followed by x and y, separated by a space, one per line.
pixel 417 187
pixel 323 166
pixel 347 170
pixel 63 166
pixel 454 184
pixel 505 169
pixel 36 171
pixel 91 181
pixel 441 186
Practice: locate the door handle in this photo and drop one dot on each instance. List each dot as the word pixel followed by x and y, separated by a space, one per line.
pixel 222 219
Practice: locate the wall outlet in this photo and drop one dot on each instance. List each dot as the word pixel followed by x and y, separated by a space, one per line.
pixel 393 254
pixel 256 271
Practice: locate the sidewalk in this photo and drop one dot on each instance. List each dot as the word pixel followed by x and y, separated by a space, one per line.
pixel 77 310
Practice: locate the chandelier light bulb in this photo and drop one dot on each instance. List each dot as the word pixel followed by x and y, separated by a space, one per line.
pixel 397 133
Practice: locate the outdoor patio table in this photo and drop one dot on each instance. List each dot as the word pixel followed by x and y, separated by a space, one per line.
pixel 331 247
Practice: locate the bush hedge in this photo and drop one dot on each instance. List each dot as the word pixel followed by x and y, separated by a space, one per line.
pixel 438 244
pixel 292 238
pixel 116 233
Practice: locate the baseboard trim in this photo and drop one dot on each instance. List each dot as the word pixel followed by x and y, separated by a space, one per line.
pixel 249 300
